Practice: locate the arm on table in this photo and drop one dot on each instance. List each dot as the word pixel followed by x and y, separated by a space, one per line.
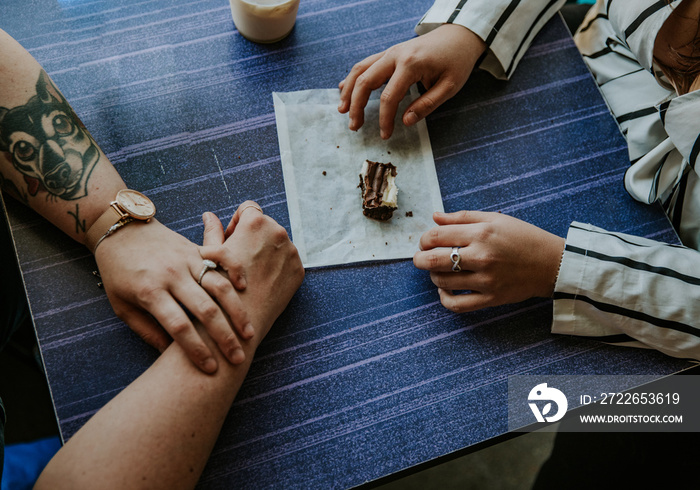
pixel 50 162
pixel 159 431
pixel 502 259
pixel 615 287
pixel 629 290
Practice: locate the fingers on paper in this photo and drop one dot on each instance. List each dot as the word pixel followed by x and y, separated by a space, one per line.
pixel 392 95
pixel 372 78
pixel 347 86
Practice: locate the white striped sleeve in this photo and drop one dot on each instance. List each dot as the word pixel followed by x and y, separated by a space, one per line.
pixel 506 26
pixel 628 86
pixel 629 290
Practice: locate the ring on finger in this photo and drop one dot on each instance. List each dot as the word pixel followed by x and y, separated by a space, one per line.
pixel 207 265
pixel 455 258
pixel 254 206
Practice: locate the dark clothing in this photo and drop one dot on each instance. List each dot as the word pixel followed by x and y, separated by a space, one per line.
pixel 2 437
pixel 13 304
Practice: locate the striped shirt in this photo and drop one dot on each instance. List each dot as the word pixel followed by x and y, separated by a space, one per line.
pixel 616 287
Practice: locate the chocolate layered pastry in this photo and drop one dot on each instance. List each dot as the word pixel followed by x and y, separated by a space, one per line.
pixel 379 191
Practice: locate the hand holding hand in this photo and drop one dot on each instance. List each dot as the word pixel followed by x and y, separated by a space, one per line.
pixel 502 259
pixel 259 246
pixel 442 60
pixel 150 273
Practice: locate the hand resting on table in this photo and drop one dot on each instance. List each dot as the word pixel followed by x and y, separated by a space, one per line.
pixel 502 259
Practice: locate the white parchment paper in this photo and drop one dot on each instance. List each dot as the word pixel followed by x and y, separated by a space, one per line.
pixel 321 162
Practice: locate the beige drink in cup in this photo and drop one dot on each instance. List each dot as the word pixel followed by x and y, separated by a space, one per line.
pixel 264 21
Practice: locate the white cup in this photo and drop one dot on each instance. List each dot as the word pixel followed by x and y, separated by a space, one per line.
pixel 264 21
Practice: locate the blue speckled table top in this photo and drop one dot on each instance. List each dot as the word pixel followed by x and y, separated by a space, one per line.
pixel 365 374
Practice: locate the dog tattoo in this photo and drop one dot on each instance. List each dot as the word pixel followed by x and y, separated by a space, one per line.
pixel 48 144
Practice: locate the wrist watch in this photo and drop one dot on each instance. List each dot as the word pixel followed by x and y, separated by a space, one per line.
pixel 129 205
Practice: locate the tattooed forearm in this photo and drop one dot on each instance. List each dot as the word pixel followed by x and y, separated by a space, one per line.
pixel 79 224
pixel 48 144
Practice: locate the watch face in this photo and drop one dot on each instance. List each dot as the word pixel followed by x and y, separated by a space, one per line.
pixel 136 204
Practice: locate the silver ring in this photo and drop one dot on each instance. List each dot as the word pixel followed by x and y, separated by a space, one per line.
pixel 455 258
pixel 207 266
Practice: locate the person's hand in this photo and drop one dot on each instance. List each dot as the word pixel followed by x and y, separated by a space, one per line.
pixel 258 245
pixel 502 259
pixel 150 273
pixel 441 60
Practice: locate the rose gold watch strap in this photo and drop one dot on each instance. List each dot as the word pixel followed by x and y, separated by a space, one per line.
pixel 100 227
